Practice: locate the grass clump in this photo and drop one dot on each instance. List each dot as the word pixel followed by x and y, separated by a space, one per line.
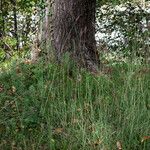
pixel 53 107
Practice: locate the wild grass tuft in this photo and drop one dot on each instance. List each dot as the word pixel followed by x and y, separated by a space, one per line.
pixel 53 107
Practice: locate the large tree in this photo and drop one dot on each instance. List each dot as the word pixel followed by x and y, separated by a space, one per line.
pixel 73 30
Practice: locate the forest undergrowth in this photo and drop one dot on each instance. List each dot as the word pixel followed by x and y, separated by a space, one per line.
pixel 52 107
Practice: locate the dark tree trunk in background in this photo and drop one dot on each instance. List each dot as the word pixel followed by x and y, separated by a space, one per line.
pixel 2 17
pixel 74 31
pixel 15 23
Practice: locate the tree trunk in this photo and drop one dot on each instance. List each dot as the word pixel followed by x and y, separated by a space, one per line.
pixel 44 32
pixel 14 3
pixel 2 21
pixel 74 31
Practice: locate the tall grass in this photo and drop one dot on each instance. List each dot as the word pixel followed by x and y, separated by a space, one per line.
pixel 56 107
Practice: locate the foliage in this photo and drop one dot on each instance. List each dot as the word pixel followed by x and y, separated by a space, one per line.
pixel 125 28
pixel 112 2
pixel 19 21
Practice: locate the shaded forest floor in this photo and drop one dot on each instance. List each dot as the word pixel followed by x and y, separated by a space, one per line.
pixel 50 107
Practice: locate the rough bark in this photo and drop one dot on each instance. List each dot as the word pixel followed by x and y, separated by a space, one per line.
pixel 74 31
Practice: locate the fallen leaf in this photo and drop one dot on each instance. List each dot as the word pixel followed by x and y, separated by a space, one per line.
pixel 13 89
pixel 75 121
pixel 119 145
pixel 145 138
pixel 58 130
pixel 87 107
pixel 79 78
pixel 96 143
pixel 1 88
pixel 79 109
pixel 18 70
pixel 91 128
pixel 27 62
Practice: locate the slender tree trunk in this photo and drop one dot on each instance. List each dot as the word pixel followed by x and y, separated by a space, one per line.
pixel 44 32
pixel 15 23
pixel 47 31
pixel 74 31
pixel 2 28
